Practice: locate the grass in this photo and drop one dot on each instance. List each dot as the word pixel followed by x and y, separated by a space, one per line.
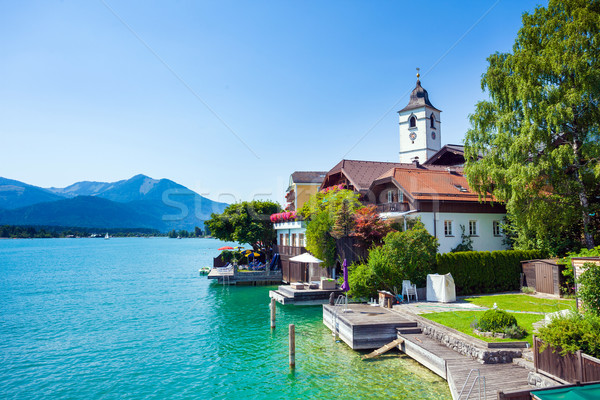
pixel 461 321
pixel 522 302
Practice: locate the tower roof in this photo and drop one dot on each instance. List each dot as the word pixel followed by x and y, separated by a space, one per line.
pixel 418 98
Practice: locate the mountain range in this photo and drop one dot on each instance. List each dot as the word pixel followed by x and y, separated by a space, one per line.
pixel 138 202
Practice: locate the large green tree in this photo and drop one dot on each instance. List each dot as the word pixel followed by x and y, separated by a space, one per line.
pixel 322 211
pixel 245 222
pixel 539 131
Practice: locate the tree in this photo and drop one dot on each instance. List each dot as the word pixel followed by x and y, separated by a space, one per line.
pixel 197 232
pixel 245 222
pixel 369 228
pixel 343 224
pixel 539 132
pixel 404 255
pixel 589 289
pixel 320 212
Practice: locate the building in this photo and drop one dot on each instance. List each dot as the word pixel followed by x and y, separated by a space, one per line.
pixel 428 183
pixel 441 198
pixel 303 184
pixel 420 127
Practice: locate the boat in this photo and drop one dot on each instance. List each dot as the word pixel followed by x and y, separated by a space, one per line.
pixel 204 270
pixel 106 237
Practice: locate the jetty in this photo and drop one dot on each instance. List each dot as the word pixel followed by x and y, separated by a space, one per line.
pixel 303 294
pixel 469 365
pixel 231 276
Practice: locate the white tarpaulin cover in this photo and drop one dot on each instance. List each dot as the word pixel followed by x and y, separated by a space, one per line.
pixel 441 288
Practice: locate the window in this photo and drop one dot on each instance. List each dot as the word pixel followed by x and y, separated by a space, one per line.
pixel 287 239
pixel 390 196
pixel 496 228
pixel 400 196
pixel 448 228
pixel 432 120
pixel 472 228
pixel 294 240
pixel 281 243
pixel 412 122
pixel 301 240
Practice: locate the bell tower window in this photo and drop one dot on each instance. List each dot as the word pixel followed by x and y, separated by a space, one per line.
pixel 432 120
pixel 412 122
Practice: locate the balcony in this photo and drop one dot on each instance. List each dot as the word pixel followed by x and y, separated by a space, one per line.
pixel 392 207
pixel 291 250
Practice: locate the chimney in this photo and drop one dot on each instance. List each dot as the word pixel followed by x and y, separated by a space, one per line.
pixel 415 162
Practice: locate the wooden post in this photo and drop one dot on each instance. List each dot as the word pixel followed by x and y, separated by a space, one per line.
pixel 273 309
pixel 292 346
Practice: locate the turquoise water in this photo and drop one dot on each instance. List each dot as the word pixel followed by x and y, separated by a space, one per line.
pixel 131 318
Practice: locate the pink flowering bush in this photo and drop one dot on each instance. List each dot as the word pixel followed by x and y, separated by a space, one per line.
pixel 284 217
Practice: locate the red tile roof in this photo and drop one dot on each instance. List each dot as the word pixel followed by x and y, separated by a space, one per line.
pixel 432 184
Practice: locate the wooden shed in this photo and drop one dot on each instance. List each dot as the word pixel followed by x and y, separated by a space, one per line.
pixel 543 275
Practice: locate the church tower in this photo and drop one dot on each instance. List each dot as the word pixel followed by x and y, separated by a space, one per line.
pixel 420 127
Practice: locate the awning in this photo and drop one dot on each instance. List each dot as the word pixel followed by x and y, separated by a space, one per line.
pixel 587 392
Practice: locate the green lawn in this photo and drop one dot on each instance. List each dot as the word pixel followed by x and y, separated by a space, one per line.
pixel 522 302
pixel 461 321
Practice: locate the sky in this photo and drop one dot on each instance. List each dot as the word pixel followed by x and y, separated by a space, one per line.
pixel 226 97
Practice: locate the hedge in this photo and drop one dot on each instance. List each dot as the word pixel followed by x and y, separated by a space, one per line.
pixel 476 272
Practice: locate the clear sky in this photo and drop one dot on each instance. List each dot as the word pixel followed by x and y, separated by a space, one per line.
pixel 230 97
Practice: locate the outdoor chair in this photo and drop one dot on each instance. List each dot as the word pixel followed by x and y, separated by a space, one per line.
pixel 409 289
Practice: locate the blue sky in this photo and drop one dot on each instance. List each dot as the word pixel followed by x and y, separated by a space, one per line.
pixel 230 97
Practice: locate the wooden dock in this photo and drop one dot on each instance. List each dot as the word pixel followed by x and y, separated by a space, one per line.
pixel 455 368
pixel 368 327
pixel 232 277
pixel 285 294
pixel 364 327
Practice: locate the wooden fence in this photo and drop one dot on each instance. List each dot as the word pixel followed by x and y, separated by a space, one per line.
pixel 573 367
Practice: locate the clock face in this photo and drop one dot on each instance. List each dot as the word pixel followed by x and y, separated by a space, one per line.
pixel 433 135
pixel 412 136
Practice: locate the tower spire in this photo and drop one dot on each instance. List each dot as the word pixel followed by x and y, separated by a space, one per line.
pixel 418 74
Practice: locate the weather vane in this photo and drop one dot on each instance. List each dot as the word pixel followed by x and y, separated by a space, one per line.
pixel 418 74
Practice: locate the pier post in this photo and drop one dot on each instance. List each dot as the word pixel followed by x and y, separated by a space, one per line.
pixel 273 309
pixel 292 346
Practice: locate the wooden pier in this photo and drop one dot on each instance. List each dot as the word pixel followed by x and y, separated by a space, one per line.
pixel 455 368
pixel 286 294
pixel 367 327
pixel 364 327
pixel 254 278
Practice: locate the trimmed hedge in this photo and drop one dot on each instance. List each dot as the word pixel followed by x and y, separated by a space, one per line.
pixel 477 272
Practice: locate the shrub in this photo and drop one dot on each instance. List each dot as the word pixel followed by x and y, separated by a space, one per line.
pixel 484 271
pixel 495 321
pixel 515 332
pixel 362 282
pixel 571 332
pixel 589 289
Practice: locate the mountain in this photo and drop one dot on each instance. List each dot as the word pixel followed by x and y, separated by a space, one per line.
pixel 153 203
pixel 15 194
pixel 81 211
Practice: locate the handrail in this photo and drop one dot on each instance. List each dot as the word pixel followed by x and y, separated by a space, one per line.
pixel 477 378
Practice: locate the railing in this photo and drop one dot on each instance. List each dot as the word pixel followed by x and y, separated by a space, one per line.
pixel 291 250
pixel 392 207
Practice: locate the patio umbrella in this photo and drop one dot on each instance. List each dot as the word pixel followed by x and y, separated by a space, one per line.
pixel 306 258
pixel 225 248
pixel 249 252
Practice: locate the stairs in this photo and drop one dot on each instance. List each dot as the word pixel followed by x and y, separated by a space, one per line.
pixel 410 328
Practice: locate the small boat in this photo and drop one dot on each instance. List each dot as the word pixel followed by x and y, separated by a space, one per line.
pixel 204 270
pixel 106 237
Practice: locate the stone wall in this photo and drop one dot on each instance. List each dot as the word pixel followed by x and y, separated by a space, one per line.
pixel 467 345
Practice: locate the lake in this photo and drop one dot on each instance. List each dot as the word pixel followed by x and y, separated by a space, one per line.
pixel 130 318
